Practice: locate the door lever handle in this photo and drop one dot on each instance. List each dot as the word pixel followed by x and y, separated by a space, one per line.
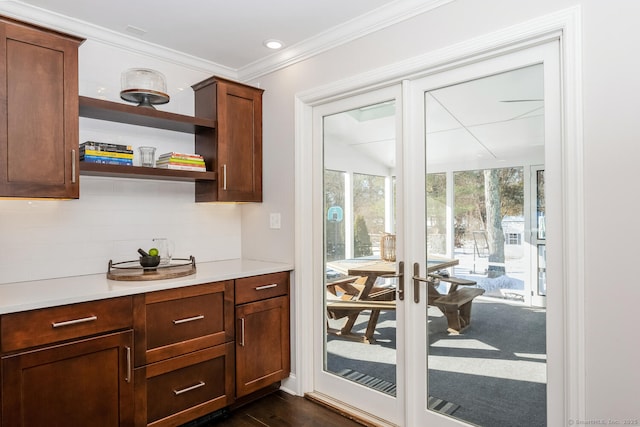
pixel 416 282
pixel 400 276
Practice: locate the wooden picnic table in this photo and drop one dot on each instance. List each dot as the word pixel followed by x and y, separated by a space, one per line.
pixel 372 269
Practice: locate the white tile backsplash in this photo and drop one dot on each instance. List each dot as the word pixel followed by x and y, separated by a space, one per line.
pixel 111 220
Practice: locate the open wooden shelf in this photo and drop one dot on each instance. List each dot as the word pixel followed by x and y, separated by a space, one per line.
pixel 139 116
pixel 129 114
pixel 123 171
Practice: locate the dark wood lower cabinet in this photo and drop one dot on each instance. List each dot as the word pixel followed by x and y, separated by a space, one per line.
pixel 198 349
pixel 84 382
pixel 262 346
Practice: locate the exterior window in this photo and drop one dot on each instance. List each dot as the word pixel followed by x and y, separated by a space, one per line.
pixel 513 238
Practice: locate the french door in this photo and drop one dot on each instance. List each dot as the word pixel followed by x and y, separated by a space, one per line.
pixel 370 183
pixel 471 371
pixel 358 354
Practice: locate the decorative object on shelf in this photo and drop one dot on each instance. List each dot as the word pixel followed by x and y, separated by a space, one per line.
pixel 147 156
pixel 144 86
pixel 132 270
pixel 181 161
pixel 105 153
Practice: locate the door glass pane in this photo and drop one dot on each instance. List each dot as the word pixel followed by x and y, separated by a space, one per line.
pixel 486 342
pixel 359 236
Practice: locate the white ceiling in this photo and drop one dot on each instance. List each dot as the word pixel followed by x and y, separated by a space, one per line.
pixel 231 32
pixel 493 120
pixel 498 118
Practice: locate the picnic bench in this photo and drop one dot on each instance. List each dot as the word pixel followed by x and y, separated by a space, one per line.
pixel 344 299
pixel 456 304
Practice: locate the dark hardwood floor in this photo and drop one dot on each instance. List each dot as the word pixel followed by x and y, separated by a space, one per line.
pixel 281 409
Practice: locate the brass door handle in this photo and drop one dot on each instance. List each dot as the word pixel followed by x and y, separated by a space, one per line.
pixel 400 276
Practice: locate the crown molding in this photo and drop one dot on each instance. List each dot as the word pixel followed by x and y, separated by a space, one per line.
pixel 377 19
pixel 373 21
pixel 45 18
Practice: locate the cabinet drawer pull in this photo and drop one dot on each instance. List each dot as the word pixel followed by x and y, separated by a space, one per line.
pixel 74 321
pixel 188 319
pixel 261 288
pixel 186 389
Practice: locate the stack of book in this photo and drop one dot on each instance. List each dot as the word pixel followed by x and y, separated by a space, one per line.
pixel 181 161
pixel 102 152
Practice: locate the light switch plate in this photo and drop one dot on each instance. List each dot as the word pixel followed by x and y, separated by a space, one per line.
pixel 274 221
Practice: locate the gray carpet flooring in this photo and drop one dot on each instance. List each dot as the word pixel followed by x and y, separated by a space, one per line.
pixel 494 373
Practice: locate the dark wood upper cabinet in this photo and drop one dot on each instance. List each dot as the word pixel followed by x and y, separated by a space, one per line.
pixel 234 149
pixel 39 112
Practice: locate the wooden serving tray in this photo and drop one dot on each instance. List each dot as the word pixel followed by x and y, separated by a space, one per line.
pixel 133 271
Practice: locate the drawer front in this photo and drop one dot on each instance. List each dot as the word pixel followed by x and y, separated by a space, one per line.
pixel 261 287
pixel 184 319
pixel 199 383
pixel 38 327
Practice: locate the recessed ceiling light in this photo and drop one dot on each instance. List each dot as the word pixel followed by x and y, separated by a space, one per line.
pixel 273 44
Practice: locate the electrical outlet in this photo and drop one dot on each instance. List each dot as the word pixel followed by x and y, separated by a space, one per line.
pixel 274 221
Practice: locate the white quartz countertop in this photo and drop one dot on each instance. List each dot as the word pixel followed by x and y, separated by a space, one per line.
pixel 22 296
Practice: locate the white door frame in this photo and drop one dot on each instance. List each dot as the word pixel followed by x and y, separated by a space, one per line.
pixel 566 400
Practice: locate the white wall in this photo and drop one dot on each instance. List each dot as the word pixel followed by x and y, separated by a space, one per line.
pixel 611 150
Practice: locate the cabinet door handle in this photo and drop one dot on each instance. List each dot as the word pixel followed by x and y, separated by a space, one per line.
pixel 224 177
pixel 127 350
pixel 188 319
pixel 242 332
pixel 73 166
pixel 262 288
pixel 186 389
pixel 74 321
